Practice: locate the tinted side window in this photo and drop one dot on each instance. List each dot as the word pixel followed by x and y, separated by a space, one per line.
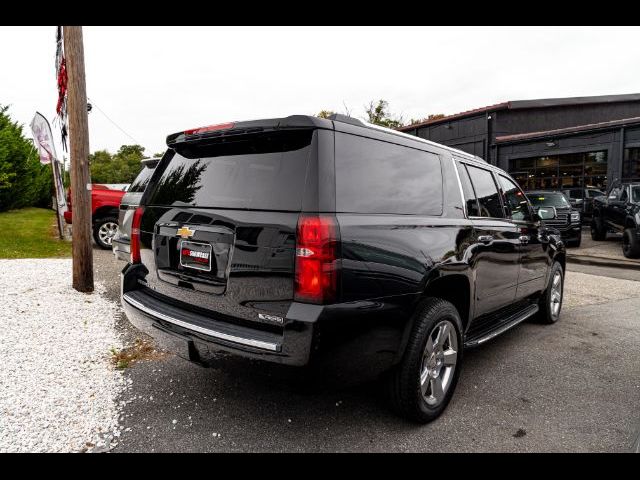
pixel 487 192
pixel 624 195
pixel 379 177
pixel 141 181
pixel 614 193
pixel 470 201
pixel 515 199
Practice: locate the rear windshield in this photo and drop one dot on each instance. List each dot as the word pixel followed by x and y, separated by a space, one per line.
pixel 264 171
pixel 141 181
pixel 548 200
pixel 379 177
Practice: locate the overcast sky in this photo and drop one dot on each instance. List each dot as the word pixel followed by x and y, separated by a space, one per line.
pixel 153 81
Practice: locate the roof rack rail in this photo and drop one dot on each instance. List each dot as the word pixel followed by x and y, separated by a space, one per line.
pixel 338 117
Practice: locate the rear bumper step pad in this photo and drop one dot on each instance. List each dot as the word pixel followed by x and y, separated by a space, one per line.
pixel 201 324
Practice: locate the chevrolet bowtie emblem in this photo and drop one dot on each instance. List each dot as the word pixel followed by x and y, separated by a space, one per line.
pixel 185 232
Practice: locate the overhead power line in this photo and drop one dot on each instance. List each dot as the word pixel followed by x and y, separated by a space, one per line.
pixel 114 123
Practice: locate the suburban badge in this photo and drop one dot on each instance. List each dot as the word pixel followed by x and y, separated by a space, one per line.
pixel 271 318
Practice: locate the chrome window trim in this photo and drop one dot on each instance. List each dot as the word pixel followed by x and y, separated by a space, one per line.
pixel 464 203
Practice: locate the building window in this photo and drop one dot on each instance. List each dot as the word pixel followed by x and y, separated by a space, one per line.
pixel 561 171
pixel 631 164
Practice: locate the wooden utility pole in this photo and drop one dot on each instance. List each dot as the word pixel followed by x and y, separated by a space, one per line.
pixel 80 179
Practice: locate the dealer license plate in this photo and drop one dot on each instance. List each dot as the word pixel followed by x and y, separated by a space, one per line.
pixel 195 255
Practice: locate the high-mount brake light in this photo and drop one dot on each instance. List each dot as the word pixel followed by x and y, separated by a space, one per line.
pixel 316 259
pixel 209 128
pixel 135 235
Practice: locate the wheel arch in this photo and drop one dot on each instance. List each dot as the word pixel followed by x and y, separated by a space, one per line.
pixel 104 211
pixel 561 258
pixel 454 287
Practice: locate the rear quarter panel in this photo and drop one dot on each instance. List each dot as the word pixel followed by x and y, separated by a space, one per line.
pixel 387 263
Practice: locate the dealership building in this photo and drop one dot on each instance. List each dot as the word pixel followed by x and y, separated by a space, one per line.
pixel 552 143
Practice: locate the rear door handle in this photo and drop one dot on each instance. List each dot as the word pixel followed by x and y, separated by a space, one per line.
pixel 524 239
pixel 485 238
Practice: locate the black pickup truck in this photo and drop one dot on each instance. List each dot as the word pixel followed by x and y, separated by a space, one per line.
pixel 619 211
pixel 566 220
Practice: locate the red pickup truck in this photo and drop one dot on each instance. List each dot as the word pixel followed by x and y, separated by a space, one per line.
pixel 105 202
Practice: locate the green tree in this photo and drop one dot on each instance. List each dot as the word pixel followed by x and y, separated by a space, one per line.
pixel 122 167
pixel 324 113
pixel 24 181
pixel 378 114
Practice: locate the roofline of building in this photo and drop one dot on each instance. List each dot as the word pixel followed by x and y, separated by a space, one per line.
pixel 519 137
pixel 521 104
pixel 454 116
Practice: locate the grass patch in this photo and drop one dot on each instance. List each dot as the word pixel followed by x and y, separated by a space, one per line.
pixel 140 350
pixel 31 233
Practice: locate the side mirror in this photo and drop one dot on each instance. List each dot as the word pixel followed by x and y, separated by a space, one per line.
pixel 547 213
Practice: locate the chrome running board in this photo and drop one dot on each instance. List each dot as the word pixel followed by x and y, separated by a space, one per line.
pixel 504 326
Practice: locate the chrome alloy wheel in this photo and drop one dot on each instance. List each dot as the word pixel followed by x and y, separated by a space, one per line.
pixel 107 231
pixel 438 362
pixel 555 299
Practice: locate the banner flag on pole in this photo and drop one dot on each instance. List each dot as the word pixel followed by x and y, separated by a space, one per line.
pixel 43 139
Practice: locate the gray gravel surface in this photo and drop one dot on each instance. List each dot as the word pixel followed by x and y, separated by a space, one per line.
pixel 613 272
pixel 572 386
pixel 58 389
pixel 586 289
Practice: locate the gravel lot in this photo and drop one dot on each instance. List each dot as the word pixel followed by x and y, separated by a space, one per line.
pixel 58 389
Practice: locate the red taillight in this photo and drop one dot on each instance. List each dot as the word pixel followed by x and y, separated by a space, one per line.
pixel 316 259
pixel 135 235
pixel 210 128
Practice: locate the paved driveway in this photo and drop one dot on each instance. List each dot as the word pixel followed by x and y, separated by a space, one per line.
pixel 573 386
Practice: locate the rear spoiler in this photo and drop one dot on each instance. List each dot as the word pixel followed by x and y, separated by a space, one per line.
pixel 243 128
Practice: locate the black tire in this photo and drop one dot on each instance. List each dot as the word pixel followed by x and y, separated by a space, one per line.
pixel 575 243
pixel 547 314
pixel 101 241
pixel 598 230
pixel 404 382
pixel 630 243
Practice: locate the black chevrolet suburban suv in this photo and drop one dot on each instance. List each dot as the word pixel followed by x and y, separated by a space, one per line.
pixel 309 241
